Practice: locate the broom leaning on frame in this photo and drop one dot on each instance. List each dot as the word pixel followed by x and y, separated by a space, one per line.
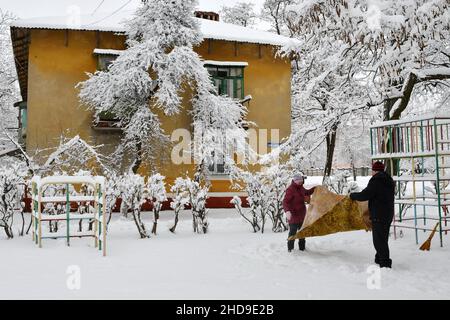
pixel 427 244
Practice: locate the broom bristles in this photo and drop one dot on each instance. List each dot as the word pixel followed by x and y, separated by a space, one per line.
pixel 427 244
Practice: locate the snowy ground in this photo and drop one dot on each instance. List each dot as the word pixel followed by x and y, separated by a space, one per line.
pixel 230 262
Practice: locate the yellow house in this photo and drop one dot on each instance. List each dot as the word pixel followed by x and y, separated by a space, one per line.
pixel 53 54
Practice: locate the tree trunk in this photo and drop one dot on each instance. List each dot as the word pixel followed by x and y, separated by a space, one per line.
pixel 110 216
pixel 8 231
pixel 175 223
pixel 155 220
pixel 124 208
pixel 138 160
pixel 22 230
pixel 199 172
pixel 331 144
pixel 29 226
pixel 139 224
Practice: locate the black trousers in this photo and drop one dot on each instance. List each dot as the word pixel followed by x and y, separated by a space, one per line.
pixel 293 228
pixel 380 234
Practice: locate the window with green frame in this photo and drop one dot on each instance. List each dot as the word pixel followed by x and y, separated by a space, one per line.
pixel 229 80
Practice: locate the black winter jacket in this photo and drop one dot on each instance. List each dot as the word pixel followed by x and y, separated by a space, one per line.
pixel 380 194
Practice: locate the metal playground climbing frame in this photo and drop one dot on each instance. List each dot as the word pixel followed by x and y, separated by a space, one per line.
pixel 96 216
pixel 417 152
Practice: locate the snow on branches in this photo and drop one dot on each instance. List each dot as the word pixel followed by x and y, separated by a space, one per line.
pixel 265 194
pixel 156 194
pixel 12 192
pixel 241 13
pixel 190 192
pixel 8 84
pixel 396 43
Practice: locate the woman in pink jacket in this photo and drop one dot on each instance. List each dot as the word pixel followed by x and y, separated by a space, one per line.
pixel 295 208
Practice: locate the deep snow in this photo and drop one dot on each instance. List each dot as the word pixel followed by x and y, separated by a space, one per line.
pixel 230 262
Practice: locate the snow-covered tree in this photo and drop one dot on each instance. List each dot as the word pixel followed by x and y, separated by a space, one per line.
pixel 326 94
pixel 399 44
pixel 274 11
pixel 241 13
pixel 159 68
pixel 8 84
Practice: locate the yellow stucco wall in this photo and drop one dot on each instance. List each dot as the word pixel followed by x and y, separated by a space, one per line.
pixel 58 61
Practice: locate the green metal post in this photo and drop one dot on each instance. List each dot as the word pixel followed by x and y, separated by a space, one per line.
pixel 100 242
pixel 67 215
pixel 422 160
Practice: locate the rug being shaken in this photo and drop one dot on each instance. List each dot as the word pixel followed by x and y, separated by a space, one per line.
pixel 330 213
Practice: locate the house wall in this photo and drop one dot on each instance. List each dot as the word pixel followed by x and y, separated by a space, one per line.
pixel 58 61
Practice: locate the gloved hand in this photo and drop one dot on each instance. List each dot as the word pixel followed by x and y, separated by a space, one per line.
pixel 288 215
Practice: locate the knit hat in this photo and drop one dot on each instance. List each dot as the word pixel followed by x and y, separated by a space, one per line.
pixel 378 166
pixel 297 176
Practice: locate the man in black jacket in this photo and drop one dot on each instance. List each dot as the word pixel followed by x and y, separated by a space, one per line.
pixel 380 194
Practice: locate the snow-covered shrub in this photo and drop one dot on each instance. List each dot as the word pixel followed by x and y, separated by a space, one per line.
pixel 277 177
pixel 265 193
pixel 12 191
pixel 339 183
pixel 179 201
pixel 196 195
pixel 132 188
pixel 237 202
pixel 156 193
pixel 259 196
pixel 113 191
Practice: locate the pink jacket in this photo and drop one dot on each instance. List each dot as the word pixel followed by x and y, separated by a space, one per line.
pixel 294 201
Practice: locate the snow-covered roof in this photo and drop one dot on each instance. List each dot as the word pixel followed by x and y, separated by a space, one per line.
pixel 226 63
pixel 114 23
pixel 112 52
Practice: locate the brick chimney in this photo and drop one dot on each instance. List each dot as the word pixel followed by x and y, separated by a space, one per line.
pixel 208 15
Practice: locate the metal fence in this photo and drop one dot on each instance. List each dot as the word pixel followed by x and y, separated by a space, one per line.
pixel 361 171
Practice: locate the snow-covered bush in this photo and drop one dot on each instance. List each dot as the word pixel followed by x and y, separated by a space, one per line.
pixel 156 193
pixel 265 193
pixel 112 193
pixel 12 191
pixel 132 188
pixel 259 196
pixel 277 177
pixel 135 190
pixel 237 202
pixel 179 201
pixel 339 183
pixel 196 195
